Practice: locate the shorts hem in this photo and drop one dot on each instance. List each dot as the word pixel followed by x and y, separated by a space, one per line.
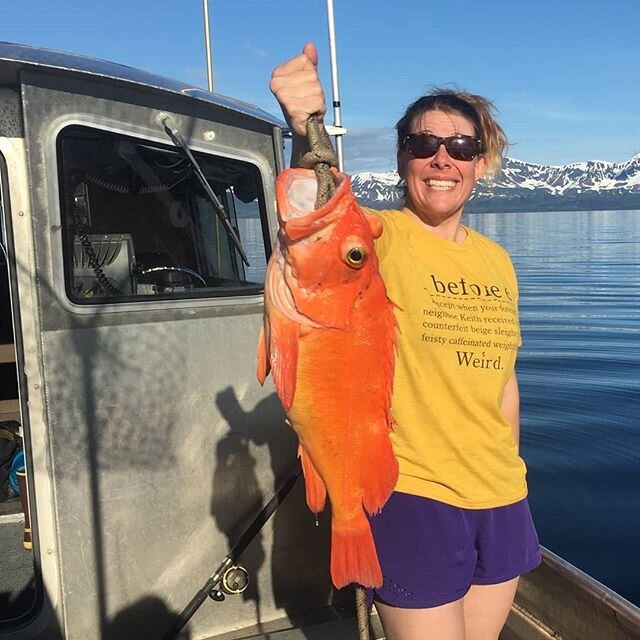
pixel 424 604
pixel 486 580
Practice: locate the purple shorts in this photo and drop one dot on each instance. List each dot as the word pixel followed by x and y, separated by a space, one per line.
pixel 431 553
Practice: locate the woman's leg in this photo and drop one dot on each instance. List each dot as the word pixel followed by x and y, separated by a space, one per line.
pixel 445 622
pixel 486 608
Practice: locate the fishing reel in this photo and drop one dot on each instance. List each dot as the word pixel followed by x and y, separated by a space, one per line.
pixel 230 577
pixel 235 579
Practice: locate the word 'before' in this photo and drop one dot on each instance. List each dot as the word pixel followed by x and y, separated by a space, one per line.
pixel 462 287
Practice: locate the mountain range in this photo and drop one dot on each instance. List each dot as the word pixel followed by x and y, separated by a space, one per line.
pixel 524 186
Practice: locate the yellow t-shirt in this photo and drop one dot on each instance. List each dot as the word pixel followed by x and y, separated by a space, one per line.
pixel 457 344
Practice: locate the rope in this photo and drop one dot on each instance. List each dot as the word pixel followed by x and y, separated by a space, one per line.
pixel 321 157
pixel 362 612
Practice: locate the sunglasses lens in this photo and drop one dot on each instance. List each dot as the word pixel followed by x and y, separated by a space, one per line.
pixel 462 148
pixel 425 145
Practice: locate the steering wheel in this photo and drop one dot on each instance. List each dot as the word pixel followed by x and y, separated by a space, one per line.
pixel 190 272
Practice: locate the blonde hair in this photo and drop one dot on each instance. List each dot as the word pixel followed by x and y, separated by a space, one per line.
pixel 478 110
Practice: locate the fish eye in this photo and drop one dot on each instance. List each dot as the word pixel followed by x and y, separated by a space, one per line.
pixel 356 256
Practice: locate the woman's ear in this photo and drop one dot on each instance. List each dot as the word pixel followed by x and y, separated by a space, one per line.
pixel 481 167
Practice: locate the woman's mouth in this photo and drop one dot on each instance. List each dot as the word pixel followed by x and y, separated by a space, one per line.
pixel 440 185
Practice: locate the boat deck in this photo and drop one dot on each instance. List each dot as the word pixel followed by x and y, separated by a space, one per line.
pixel 16 563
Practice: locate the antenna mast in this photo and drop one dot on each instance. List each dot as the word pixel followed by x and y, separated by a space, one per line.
pixel 337 129
pixel 207 45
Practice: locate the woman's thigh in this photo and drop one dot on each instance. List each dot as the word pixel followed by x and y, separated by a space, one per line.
pixel 486 608
pixel 480 615
pixel 445 622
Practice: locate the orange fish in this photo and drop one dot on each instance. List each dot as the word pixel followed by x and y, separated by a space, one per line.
pixel 329 339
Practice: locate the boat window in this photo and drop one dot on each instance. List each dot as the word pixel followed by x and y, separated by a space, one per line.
pixel 137 224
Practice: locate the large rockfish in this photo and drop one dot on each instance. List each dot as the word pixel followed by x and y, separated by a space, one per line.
pixel 329 339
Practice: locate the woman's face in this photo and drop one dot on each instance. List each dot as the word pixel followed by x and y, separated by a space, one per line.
pixel 438 187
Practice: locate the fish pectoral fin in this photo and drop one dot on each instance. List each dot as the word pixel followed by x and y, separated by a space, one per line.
pixel 283 352
pixel 263 366
pixel 316 491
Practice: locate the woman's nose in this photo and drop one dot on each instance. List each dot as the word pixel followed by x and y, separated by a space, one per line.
pixel 441 158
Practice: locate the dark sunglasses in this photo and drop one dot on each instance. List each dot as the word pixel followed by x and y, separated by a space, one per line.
pixel 425 145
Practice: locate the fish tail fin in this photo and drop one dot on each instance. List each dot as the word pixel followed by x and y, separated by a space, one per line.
pixel 316 491
pixel 263 367
pixel 354 558
pixel 378 483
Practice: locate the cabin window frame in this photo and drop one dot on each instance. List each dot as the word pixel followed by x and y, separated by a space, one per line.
pixel 230 294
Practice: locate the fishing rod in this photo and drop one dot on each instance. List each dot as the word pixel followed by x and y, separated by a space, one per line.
pixel 231 577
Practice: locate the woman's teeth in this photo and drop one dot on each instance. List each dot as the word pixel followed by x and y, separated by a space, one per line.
pixel 441 184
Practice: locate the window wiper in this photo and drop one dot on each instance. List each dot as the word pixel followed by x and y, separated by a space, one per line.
pixel 177 139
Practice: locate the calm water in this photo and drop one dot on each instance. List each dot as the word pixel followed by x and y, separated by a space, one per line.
pixel 579 373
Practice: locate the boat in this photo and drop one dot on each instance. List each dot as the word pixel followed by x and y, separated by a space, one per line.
pixel 138 213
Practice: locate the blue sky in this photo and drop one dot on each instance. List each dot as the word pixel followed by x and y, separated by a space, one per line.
pixel 564 75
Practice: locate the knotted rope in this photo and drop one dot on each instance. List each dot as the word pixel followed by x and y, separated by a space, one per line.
pixel 321 157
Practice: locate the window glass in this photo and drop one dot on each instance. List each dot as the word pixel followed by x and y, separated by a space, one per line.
pixel 137 224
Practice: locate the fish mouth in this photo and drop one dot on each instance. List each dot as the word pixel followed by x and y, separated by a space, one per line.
pixel 296 192
pixel 301 193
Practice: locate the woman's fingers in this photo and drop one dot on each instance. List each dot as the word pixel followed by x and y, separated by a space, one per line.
pixel 296 87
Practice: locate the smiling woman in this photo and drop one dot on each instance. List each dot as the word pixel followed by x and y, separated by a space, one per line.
pixel 453 572
pixel 447 140
pixel 439 185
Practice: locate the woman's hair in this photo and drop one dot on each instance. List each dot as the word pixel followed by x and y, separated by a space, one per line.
pixel 478 110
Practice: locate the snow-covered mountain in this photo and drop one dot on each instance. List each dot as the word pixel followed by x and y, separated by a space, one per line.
pixel 523 186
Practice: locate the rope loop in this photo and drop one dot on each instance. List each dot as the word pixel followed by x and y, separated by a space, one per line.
pixel 320 157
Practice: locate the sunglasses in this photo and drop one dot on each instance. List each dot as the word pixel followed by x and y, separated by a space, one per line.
pixel 425 145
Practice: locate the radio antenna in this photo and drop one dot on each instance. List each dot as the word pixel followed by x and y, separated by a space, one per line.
pixel 207 45
pixel 337 129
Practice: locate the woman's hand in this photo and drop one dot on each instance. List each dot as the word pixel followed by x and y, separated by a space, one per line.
pixel 296 86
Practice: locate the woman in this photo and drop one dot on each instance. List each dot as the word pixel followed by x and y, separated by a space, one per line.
pixel 456 533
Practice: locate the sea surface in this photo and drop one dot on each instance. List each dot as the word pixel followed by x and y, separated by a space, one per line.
pixel 579 375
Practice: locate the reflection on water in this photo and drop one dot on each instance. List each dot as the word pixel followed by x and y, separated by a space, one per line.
pixel 579 373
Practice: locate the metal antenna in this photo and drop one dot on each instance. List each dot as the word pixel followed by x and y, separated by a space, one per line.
pixel 207 45
pixel 337 129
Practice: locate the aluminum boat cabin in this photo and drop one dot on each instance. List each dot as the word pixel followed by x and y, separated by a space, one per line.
pixel 137 217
